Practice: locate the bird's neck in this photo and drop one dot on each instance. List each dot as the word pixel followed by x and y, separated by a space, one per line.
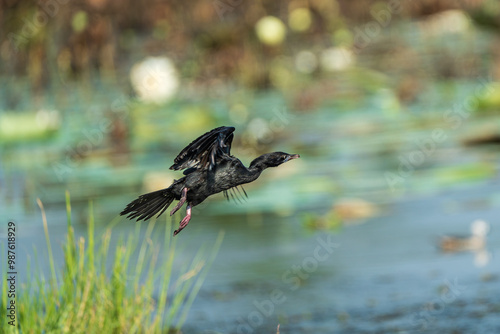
pixel 252 174
pixel 256 167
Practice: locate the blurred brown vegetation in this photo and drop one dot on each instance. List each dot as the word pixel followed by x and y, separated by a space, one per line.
pixel 62 39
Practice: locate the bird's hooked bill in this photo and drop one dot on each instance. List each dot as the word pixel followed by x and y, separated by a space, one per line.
pixel 293 156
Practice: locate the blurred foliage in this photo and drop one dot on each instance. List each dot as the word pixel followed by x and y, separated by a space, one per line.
pixel 55 41
pixel 488 99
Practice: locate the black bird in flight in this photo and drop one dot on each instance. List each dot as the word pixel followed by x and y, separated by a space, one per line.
pixel 210 169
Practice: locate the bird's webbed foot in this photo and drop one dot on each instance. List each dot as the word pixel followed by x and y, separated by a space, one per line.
pixel 184 220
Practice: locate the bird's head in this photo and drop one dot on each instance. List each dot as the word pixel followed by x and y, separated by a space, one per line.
pixel 273 159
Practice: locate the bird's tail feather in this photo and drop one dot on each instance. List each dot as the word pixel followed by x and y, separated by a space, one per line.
pixel 148 205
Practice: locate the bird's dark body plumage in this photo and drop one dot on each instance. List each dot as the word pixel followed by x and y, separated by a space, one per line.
pixel 210 169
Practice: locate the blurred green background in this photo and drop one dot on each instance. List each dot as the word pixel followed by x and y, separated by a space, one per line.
pixel 392 105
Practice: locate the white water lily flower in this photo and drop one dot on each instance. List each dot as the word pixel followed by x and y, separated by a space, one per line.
pixel 306 62
pixel 336 59
pixel 270 30
pixel 155 79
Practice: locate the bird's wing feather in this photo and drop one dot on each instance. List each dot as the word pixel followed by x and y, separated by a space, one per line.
pixel 205 151
pixel 235 195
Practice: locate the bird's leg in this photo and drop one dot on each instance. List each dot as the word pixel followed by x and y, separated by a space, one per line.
pixel 181 201
pixel 184 220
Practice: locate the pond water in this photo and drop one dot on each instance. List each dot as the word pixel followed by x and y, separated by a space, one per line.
pixel 383 273
pixel 385 276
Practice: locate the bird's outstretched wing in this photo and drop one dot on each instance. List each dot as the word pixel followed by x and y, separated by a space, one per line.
pixel 205 151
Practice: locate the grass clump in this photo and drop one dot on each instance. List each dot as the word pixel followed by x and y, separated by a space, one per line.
pixel 92 294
